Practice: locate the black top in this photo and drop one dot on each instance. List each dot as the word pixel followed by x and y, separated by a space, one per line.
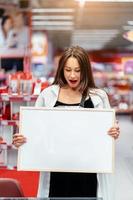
pixel 87 104
pixel 67 184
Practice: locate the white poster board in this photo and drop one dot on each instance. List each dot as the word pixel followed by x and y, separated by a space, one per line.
pixel 73 140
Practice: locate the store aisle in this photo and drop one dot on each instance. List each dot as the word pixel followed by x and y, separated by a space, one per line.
pixel 124 160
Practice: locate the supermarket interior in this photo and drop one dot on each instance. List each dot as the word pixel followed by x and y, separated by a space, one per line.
pixel 33 35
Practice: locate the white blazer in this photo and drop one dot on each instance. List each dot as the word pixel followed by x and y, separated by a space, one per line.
pixel 48 98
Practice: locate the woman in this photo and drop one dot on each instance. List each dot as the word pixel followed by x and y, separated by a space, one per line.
pixel 73 86
pixel 6 26
pixel 19 36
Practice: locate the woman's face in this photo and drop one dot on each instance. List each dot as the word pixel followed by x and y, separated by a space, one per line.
pixel 8 25
pixel 72 73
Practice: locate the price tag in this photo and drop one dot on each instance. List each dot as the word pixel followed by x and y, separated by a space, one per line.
pixel 5 97
pixel 27 98
pixel 4 122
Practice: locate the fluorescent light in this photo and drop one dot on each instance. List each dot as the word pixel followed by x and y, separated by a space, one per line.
pixel 52 23
pixel 53 28
pixel 130 23
pixel 94 36
pixel 82 2
pixel 128 28
pixel 96 32
pixel 91 41
pixel 106 1
pixel 52 10
pixel 52 17
pixel 88 46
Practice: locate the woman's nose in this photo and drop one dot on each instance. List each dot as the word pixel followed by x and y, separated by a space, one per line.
pixel 72 74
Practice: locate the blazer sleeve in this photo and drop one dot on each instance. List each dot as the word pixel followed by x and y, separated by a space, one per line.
pixel 40 101
pixel 100 99
pixel 106 103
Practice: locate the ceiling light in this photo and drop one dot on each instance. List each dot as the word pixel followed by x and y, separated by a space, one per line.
pixel 130 23
pixel 106 1
pixel 52 10
pixel 96 31
pixel 53 28
pixel 88 46
pixel 82 2
pixel 52 23
pixel 90 40
pixel 127 28
pixel 52 17
pixel 93 39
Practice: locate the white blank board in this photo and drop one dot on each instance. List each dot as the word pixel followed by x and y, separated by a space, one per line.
pixel 73 140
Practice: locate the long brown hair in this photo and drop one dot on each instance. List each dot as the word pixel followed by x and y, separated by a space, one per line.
pixel 87 80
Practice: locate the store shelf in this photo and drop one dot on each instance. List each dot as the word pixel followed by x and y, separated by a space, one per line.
pixel 124 111
pixel 8 167
pixel 18 98
pixel 9 122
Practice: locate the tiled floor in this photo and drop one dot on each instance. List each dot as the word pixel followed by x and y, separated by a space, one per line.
pixel 124 160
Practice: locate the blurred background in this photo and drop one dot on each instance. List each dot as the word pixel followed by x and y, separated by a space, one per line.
pixel 33 34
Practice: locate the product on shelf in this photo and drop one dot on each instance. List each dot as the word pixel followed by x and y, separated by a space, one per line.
pixel 21 83
pixel 39 86
pixel 13 84
pixel 3 153
pixel 120 93
pixel 22 89
pixel 6 113
pixel 26 84
pixel 4 89
pixel 15 116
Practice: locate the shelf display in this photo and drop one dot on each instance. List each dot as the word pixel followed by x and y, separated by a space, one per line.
pixel 120 94
pixel 18 92
pixel 22 89
pixel 3 153
pixel 9 122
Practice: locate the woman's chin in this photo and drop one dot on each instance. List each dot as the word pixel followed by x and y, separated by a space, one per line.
pixel 73 87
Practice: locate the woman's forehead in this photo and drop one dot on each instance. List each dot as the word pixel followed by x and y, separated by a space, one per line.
pixel 72 61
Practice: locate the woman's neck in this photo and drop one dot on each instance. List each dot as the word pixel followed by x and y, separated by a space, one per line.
pixel 69 95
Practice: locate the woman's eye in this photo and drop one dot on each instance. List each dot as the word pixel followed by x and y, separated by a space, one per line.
pixel 68 70
pixel 78 70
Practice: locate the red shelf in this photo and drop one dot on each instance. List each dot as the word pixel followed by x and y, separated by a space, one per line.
pixel 124 111
pixel 8 122
pixel 18 98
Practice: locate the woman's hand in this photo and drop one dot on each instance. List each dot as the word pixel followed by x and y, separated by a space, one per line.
pixel 114 131
pixel 18 140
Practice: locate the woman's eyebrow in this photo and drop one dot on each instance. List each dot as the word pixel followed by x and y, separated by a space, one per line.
pixel 70 67
pixel 67 66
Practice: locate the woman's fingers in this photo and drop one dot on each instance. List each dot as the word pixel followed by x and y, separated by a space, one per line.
pixel 17 135
pixel 18 140
pixel 114 131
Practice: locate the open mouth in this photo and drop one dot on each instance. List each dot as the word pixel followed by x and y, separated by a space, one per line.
pixel 73 81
